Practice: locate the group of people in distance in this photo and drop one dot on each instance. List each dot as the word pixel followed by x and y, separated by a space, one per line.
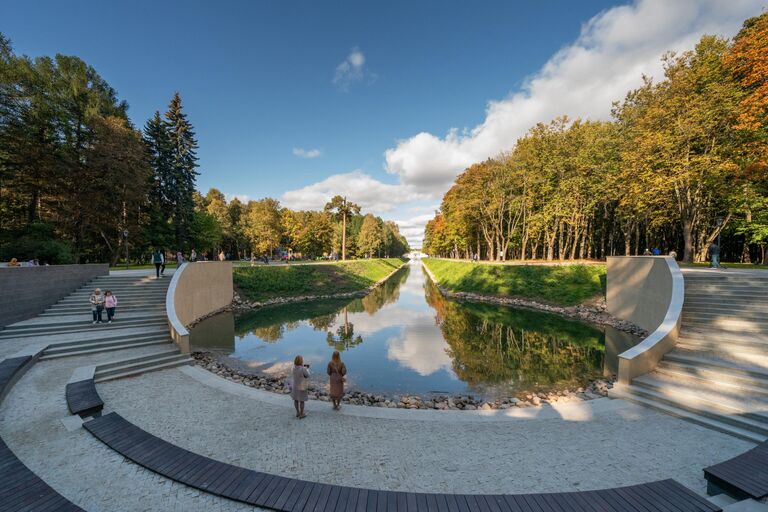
pixel 337 376
pixel 100 302
pixel 158 259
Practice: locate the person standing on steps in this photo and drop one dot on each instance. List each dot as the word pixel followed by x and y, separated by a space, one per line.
pixel 714 255
pixel 110 303
pixel 97 305
pixel 300 376
pixel 159 260
pixel 337 372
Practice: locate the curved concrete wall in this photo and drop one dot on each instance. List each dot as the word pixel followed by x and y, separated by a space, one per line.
pixel 647 291
pixel 196 290
pixel 27 291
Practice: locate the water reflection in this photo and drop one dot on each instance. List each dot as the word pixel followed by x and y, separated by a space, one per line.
pixel 406 337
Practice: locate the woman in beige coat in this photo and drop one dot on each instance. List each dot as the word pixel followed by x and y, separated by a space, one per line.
pixel 336 374
pixel 300 375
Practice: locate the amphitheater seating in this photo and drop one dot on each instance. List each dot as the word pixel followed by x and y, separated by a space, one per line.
pixel 288 494
pixel 20 488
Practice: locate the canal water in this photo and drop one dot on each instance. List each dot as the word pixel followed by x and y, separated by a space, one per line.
pixel 405 337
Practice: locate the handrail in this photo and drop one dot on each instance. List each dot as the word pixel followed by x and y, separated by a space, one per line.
pixel 644 356
pixel 179 333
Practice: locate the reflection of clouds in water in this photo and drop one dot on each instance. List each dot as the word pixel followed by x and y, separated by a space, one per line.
pixel 421 348
pixel 367 324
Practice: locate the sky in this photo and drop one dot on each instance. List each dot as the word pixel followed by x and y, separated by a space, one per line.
pixel 384 102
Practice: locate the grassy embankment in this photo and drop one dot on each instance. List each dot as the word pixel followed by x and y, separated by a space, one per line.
pixel 562 285
pixel 261 283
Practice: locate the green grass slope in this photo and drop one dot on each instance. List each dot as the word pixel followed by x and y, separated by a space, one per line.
pixel 563 285
pixel 266 282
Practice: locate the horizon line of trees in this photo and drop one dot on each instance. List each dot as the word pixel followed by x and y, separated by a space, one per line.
pixel 79 182
pixel 682 162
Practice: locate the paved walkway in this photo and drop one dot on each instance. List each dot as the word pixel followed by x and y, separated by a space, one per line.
pixel 603 443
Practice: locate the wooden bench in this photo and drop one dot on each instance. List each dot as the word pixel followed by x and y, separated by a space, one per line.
pixel 82 398
pixel 742 477
pixel 289 494
pixel 20 488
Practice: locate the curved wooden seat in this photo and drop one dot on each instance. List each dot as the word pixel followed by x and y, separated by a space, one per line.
pixel 20 488
pixel 82 398
pixel 744 476
pixel 288 494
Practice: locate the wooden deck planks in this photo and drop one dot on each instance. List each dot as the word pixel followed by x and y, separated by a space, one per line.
pixel 747 472
pixel 287 494
pixel 82 398
pixel 20 488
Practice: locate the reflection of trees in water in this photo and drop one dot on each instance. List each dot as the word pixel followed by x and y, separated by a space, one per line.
pixel 345 335
pixel 496 344
pixel 387 293
pixel 271 323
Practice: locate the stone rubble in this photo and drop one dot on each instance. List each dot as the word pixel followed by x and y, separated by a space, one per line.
pixel 279 384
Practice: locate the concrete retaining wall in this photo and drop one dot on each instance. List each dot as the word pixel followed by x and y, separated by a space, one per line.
pixel 647 291
pixel 27 291
pixel 196 290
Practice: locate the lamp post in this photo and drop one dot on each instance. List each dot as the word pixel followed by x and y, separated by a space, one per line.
pixel 719 222
pixel 125 236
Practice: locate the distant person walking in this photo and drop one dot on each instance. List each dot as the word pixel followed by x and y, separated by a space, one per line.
pixel 179 258
pixel 159 260
pixel 110 303
pixel 656 251
pixel 222 256
pixel 300 375
pixel 192 256
pixel 97 305
pixel 337 372
pixel 714 255
pixel 647 252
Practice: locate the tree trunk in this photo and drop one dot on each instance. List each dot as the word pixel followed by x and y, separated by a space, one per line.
pixel 344 237
pixel 687 227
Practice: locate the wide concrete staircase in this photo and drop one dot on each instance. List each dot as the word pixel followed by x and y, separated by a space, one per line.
pixel 717 376
pixel 67 329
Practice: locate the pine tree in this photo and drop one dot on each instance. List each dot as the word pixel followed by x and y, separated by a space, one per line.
pixel 158 146
pixel 183 156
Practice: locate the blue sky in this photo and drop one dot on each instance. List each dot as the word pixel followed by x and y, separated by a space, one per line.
pixel 383 101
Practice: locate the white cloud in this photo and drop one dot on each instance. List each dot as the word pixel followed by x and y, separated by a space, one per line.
pixel 306 153
pixel 371 194
pixel 352 70
pixel 413 228
pixel 243 198
pixel 613 51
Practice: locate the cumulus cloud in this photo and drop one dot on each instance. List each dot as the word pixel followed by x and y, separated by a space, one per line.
pixel 612 52
pixel 306 153
pixel 413 228
pixel 352 70
pixel 371 194
pixel 243 198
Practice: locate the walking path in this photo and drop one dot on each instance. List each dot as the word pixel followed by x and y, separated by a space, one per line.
pixel 599 444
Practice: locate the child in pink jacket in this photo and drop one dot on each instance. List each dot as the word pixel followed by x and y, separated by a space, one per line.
pixel 110 303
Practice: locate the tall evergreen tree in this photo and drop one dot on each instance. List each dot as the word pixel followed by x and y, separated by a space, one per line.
pixel 158 144
pixel 183 153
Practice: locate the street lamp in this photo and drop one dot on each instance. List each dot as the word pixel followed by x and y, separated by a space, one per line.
pixel 125 235
pixel 719 222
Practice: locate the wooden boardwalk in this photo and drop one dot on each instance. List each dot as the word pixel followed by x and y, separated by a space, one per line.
pixel 288 494
pixel 744 476
pixel 20 488
pixel 83 399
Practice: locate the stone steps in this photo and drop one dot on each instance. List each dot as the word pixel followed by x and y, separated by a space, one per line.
pixel 139 365
pixel 57 351
pixel 121 308
pixel 753 347
pixel 722 336
pixel 647 399
pixel 82 326
pixel 705 378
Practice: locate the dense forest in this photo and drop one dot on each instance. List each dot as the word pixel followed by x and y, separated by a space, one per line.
pixel 80 183
pixel 681 162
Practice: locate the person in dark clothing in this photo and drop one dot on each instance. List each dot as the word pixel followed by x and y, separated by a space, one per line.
pixel 714 255
pixel 159 260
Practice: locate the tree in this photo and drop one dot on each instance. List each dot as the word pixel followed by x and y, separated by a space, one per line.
pixel 371 238
pixel 342 209
pixel 262 225
pixel 183 162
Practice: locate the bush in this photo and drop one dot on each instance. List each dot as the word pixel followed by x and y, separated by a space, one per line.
pixel 38 242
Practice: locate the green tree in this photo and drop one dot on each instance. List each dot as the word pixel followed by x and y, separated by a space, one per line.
pixel 371 237
pixel 183 156
pixel 342 210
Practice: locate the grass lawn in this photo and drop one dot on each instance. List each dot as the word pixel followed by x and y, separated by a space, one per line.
pixel 563 285
pixel 266 282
